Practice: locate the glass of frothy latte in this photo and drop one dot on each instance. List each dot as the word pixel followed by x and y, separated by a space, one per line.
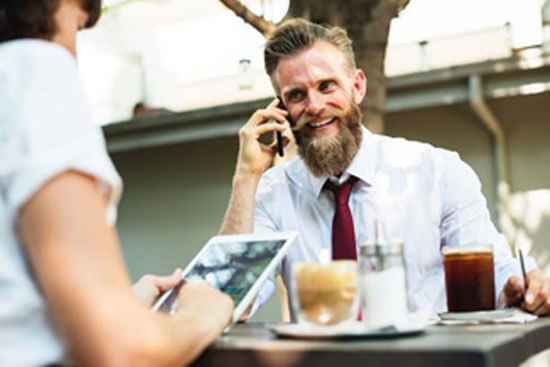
pixel 324 294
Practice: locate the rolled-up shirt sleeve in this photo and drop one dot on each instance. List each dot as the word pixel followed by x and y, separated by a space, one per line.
pixel 466 220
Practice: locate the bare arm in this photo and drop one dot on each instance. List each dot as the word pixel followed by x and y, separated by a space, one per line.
pixel 75 255
pixel 253 159
pixel 239 216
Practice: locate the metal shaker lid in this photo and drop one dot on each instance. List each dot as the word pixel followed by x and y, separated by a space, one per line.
pixel 380 249
pixel 380 246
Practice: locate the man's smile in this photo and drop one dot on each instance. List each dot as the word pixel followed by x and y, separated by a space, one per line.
pixel 320 124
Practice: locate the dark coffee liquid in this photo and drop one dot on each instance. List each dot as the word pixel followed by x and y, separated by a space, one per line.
pixel 470 281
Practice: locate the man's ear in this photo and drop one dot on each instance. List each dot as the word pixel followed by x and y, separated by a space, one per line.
pixel 359 86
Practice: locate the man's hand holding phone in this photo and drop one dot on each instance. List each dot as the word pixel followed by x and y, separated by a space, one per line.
pixel 254 156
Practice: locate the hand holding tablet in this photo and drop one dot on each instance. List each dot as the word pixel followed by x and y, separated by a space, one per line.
pixel 236 265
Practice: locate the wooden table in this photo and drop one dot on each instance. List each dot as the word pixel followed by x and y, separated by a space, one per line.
pixel 448 346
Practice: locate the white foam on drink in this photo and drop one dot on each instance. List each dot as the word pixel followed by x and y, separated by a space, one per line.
pixel 466 249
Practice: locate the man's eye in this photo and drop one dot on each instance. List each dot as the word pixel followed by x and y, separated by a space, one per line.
pixel 296 95
pixel 326 86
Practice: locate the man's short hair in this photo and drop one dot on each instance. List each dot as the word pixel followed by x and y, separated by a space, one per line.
pixel 296 35
pixel 35 18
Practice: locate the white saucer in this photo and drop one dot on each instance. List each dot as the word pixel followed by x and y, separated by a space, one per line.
pixel 349 331
pixel 505 315
pixel 478 315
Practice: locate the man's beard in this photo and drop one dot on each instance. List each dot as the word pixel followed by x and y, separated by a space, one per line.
pixel 331 156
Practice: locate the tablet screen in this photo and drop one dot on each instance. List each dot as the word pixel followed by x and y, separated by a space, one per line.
pixel 235 264
pixel 233 268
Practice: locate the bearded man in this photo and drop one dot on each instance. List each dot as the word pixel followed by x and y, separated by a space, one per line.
pixel 425 196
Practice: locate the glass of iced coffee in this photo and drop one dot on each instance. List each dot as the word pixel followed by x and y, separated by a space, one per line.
pixel 469 278
pixel 324 294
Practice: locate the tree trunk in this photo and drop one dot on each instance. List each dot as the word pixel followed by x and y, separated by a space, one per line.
pixel 368 25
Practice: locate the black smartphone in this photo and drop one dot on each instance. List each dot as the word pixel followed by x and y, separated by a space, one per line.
pixel 280 144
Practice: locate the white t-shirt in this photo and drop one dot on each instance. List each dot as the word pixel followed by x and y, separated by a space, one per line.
pixel 45 129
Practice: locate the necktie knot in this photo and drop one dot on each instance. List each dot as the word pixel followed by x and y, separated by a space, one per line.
pixel 342 192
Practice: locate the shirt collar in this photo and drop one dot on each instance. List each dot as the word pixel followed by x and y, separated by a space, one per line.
pixel 362 166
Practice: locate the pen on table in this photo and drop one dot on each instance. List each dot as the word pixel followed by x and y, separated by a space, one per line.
pixel 521 262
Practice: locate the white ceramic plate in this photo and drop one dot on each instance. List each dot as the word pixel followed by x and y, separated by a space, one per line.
pixel 478 315
pixel 350 331
pixel 511 315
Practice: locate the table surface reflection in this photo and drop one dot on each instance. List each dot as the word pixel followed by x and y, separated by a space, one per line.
pixel 253 344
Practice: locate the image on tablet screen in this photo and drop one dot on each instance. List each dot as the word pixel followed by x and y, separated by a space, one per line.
pixel 234 267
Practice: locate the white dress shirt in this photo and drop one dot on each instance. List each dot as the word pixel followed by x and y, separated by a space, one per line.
pixel 45 129
pixel 426 197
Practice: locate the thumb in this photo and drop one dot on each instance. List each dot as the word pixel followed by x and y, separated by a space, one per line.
pixel 167 282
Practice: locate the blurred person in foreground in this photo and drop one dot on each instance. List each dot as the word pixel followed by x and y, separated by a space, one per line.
pixel 65 289
pixel 426 196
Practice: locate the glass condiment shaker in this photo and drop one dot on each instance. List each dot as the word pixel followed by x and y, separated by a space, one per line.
pixel 382 283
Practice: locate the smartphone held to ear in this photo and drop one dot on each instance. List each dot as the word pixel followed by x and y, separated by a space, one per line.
pixel 280 143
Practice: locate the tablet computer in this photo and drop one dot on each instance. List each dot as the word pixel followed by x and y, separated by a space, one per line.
pixel 235 264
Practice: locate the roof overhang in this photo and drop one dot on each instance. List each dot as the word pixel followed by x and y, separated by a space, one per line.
pixel 515 76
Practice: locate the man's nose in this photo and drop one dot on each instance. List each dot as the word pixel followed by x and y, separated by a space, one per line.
pixel 314 104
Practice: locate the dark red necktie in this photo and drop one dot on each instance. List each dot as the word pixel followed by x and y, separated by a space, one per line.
pixel 343 234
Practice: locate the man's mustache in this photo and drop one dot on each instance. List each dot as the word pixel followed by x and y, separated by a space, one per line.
pixel 328 113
